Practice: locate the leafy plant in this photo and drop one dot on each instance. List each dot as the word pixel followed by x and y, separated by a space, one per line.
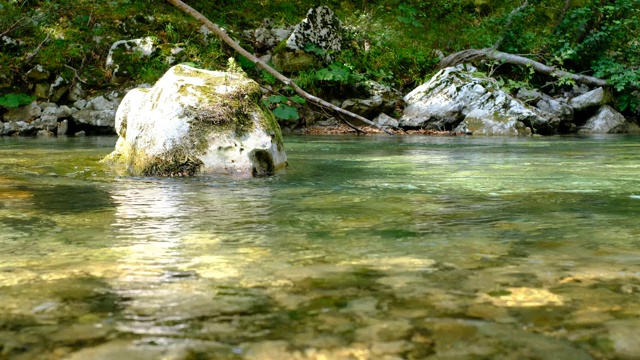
pixel 283 107
pixel 14 100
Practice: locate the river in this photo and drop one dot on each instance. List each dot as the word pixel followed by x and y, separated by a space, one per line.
pixel 371 247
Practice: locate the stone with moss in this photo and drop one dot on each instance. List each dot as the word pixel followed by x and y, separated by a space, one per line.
pixel 462 99
pixel 194 122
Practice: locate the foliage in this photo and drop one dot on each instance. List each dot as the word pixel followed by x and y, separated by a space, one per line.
pixel 283 107
pixel 391 41
pixel 14 100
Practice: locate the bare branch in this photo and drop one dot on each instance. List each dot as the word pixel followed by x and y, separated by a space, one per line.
pixel 261 64
pixel 17 25
pixel 37 50
pixel 75 73
pixel 490 53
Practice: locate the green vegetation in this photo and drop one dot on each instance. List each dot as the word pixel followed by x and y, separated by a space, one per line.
pixel 15 100
pixel 394 42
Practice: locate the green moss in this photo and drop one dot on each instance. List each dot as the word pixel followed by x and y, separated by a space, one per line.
pixel 217 112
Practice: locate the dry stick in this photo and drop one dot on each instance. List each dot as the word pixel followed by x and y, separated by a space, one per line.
pixel 261 64
pixel 490 53
pixel 15 26
pixel 36 51
pixel 75 74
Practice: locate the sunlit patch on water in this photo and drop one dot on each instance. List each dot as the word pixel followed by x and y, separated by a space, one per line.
pixel 364 248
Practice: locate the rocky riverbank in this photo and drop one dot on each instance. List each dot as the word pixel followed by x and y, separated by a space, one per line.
pixel 461 99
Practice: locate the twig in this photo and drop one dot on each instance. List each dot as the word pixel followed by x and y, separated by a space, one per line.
pixel 15 26
pixel 37 50
pixel 75 74
pixel 261 64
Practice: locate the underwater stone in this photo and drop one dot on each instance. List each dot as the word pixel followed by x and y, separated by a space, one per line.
pixel 195 121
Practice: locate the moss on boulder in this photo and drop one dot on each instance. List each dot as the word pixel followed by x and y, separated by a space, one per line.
pixel 195 121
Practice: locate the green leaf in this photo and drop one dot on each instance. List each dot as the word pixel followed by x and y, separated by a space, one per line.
pixel 245 63
pixel 285 112
pixel 275 99
pixel 190 63
pixel 314 49
pixel 15 100
pixel 298 99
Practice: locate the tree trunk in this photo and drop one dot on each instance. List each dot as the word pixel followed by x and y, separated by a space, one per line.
pixel 490 53
pixel 261 64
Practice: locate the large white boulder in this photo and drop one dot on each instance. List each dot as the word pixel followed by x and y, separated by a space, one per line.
pixel 195 121
pixel 461 99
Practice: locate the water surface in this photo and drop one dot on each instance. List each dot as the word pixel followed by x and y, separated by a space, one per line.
pixel 403 247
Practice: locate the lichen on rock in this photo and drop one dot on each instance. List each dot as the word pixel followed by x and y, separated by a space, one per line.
pixel 195 121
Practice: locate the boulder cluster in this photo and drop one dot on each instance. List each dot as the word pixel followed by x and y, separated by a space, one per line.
pixel 462 99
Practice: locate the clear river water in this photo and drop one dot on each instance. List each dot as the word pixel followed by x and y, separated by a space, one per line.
pixel 375 247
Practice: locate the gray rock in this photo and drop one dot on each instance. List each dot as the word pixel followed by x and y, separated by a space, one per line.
pixel 64 111
pixel 385 120
pixel 321 28
pixel 46 105
pixel 96 118
pixel 529 95
pixel 58 88
pixel 97 112
pixel 42 90
pixel 80 133
pixel 381 99
pixel 44 133
pixel 46 122
pixel 10 128
pixel 23 113
pixel 38 73
pixel 100 103
pixel 184 126
pixel 80 104
pixel 605 121
pixel 281 34
pixel 592 99
pixel 76 92
pixel 561 110
pixel 457 98
pixel 63 127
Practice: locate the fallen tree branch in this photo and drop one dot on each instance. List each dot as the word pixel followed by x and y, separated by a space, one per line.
pixel 261 64
pixel 490 53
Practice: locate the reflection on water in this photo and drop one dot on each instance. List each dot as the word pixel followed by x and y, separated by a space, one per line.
pixel 365 248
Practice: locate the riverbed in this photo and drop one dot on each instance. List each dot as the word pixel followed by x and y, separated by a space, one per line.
pixel 370 247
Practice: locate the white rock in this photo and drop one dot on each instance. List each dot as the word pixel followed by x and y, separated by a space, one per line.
pixel 605 121
pixel 458 98
pixel 591 99
pixel 196 121
pixel 321 28
pixel 144 46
